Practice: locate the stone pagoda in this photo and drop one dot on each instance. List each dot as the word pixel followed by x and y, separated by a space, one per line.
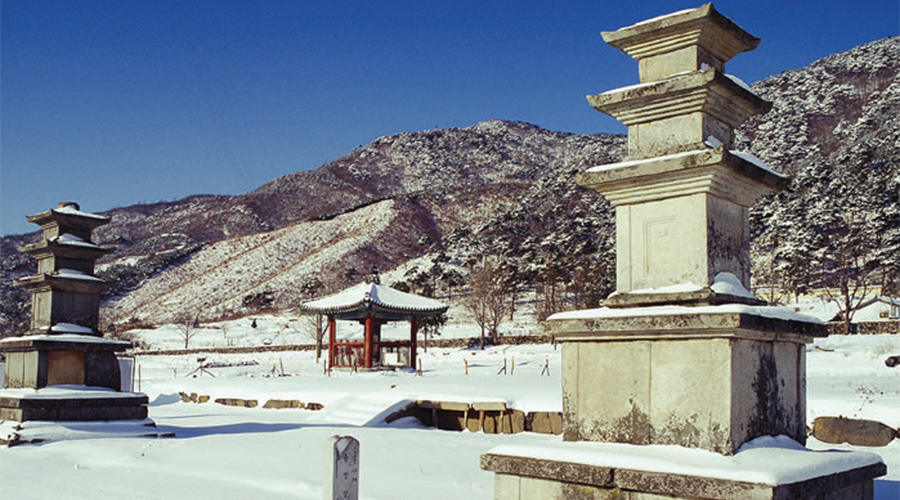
pixel 682 353
pixel 63 368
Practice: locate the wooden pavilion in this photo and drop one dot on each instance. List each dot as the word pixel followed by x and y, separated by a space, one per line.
pixel 372 305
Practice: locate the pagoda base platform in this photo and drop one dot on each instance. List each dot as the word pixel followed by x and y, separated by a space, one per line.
pixel 767 468
pixel 707 377
pixel 72 403
pixel 44 431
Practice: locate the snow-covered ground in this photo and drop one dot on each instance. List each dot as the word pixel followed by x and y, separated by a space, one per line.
pixel 225 452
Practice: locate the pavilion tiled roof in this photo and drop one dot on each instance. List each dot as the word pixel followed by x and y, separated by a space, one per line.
pixel 377 298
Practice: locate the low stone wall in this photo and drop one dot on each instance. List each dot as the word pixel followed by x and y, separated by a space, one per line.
pixel 251 403
pixel 470 342
pixel 891 327
pixel 473 342
pixel 490 417
pixel 227 350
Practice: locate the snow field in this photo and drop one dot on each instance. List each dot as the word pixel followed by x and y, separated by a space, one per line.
pixel 227 452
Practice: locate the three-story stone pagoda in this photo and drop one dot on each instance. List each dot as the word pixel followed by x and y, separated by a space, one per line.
pixel 684 385
pixel 63 368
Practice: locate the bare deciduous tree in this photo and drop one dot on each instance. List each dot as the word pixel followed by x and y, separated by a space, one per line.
pixel 489 300
pixel 188 323
pixel 316 329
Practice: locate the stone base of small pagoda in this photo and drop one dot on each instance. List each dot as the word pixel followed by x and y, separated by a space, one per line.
pixel 71 402
pixel 708 377
pixel 66 376
pixel 45 359
pixel 558 471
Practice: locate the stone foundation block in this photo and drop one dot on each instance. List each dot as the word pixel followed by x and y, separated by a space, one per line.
pixel 836 430
pixel 283 403
pixel 709 377
pixel 583 475
pixel 246 403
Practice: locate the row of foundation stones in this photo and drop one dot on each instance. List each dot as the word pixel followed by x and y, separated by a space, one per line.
pixel 276 404
pixel 494 417
pixel 490 417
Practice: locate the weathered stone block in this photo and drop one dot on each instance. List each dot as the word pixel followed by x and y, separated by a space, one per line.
pixel 65 367
pixel 517 421
pixel 491 422
pixel 836 430
pixel 246 403
pixel 539 422
pixel 101 369
pixel 443 405
pixel 451 420
pixel 527 477
pixel 489 406
pixel 283 403
pixel 473 423
pixel 556 422
pixel 700 378
pixel 505 423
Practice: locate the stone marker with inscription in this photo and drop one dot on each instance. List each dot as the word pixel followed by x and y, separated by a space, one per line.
pixel 341 468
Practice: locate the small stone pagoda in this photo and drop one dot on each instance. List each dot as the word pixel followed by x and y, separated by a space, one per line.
pixel 682 354
pixel 63 368
pixel 372 304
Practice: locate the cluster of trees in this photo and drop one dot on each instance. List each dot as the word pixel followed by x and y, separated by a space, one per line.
pixel 836 230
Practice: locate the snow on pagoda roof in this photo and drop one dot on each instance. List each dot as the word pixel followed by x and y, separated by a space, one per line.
pixel 374 297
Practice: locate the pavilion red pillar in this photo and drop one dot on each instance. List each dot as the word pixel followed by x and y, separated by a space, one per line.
pixel 413 340
pixel 332 338
pixel 370 327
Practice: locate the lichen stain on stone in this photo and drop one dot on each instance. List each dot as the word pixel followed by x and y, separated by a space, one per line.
pixel 768 416
pixel 678 431
pixel 632 428
pixel 582 492
pixel 725 246
pixel 570 418
pixel 720 440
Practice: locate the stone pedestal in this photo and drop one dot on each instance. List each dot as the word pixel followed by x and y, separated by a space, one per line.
pixel 601 471
pixel 710 377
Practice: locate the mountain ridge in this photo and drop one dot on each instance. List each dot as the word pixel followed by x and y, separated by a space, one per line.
pixel 498 187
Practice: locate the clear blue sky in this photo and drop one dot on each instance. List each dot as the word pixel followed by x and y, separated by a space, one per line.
pixel 111 103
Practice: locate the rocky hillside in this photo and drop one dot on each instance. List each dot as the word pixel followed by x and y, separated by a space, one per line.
pixel 433 182
pixel 835 127
pixel 844 102
pixel 494 188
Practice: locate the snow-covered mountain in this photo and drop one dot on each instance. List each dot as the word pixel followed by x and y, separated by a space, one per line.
pixel 495 187
pixel 845 101
pixel 370 207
